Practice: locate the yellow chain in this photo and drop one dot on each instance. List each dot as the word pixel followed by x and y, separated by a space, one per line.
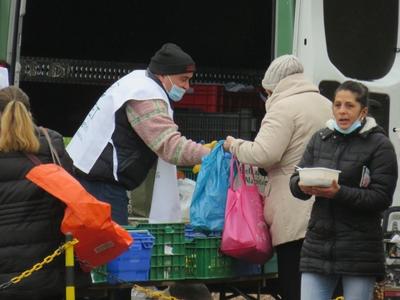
pixel 153 294
pixel 379 291
pixel 45 261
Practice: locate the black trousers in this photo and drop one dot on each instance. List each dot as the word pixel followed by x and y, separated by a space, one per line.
pixel 288 255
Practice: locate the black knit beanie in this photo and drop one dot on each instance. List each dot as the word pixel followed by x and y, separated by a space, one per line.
pixel 171 59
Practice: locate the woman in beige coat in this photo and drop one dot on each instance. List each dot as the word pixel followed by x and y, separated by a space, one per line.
pixel 295 110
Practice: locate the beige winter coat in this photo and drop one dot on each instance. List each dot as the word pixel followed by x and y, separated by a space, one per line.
pixel 295 111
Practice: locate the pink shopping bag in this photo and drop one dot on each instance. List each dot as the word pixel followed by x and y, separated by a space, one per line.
pixel 245 235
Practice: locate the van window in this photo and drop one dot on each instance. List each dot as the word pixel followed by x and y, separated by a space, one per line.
pixel 379 106
pixel 361 36
pixel 328 88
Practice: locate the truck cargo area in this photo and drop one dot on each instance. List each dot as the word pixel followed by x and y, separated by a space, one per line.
pixel 72 51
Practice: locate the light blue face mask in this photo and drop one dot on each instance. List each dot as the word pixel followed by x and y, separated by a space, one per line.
pixel 175 93
pixel 354 126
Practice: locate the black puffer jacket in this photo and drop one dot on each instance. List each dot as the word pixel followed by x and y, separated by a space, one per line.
pixel 30 225
pixel 344 234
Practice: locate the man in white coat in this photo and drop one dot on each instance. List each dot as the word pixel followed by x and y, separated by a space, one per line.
pixel 294 111
pixel 131 129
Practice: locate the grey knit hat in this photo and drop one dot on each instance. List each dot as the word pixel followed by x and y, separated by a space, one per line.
pixel 280 68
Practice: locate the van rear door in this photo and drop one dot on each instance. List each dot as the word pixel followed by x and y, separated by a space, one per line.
pixel 11 15
pixel 360 40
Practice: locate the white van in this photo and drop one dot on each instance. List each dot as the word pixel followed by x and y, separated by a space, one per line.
pixel 66 53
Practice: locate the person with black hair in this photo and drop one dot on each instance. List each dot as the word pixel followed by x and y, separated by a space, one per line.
pixel 344 238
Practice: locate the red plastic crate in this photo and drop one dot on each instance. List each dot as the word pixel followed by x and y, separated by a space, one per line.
pixel 392 293
pixel 236 101
pixel 203 98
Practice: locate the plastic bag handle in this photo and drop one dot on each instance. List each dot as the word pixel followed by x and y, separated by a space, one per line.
pixel 252 174
pixel 53 151
pixel 241 173
pixel 233 160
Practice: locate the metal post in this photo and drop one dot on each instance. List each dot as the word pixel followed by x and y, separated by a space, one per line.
pixel 69 269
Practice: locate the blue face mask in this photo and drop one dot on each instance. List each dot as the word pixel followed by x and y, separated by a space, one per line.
pixel 175 93
pixel 354 126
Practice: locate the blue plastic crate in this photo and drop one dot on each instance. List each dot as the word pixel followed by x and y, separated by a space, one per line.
pixel 133 264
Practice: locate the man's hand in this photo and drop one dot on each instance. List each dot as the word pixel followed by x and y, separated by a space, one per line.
pixel 318 191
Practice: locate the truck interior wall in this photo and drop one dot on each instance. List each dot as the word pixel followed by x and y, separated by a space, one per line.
pixel 220 36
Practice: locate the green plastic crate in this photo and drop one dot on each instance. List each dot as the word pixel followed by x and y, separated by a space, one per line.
pixel 271 266
pixel 168 253
pixel 99 274
pixel 168 248
pixel 166 232
pixel 204 260
pixel 169 237
pixel 165 267
pixel 167 260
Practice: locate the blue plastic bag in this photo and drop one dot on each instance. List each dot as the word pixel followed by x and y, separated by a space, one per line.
pixel 207 211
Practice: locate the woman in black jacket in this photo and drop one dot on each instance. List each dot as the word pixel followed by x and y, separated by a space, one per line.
pixel 344 235
pixel 30 218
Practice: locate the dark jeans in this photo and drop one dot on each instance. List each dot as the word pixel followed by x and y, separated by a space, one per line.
pixel 288 255
pixel 111 193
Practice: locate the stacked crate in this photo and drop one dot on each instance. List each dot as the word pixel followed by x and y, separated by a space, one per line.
pixel 168 253
pixel 207 127
pixel 204 260
pixel 177 252
pixel 211 98
pixel 202 98
pixel 132 265
pixel 209 112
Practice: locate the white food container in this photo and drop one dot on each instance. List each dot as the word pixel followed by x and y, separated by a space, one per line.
pixel 318 176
